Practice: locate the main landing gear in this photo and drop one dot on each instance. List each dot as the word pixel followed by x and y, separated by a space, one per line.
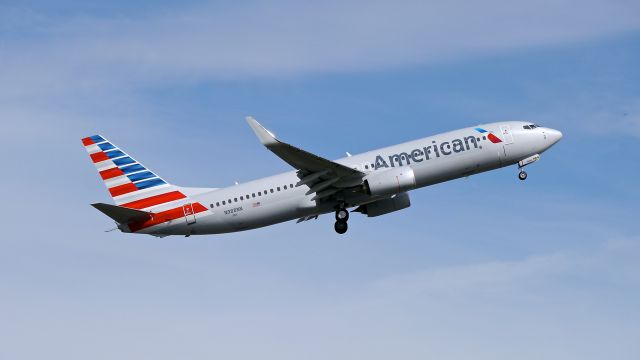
pixel 522 175
pixel 342 216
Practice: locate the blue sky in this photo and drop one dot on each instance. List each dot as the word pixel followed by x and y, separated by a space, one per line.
pixel 488 267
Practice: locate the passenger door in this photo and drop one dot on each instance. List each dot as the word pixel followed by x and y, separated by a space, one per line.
pixel 507 139
pixel 507 136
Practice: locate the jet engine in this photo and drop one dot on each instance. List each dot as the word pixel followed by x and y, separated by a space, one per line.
pixel 390 182
pixel 385 206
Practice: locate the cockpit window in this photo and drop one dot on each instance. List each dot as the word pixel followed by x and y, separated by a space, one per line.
pixel 527 127
pixel 530 127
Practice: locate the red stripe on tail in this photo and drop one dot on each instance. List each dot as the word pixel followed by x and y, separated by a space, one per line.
pixel 87 141
pixel 99 156
pixel 155 200
pixel 122 189
pixel 111 173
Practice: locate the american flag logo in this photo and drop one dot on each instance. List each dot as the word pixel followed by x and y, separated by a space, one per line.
pixel 255 205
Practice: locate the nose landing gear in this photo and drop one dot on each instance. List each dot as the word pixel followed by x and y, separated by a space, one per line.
pixel 342 216
pixel 522 175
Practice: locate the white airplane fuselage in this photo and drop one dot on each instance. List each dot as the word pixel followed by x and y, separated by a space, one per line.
pixel 431 160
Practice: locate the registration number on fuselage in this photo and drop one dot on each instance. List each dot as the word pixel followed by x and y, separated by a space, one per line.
pixel 233 211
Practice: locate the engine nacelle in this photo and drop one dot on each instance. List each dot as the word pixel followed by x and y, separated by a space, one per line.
pixel 385 206
pixel 390 182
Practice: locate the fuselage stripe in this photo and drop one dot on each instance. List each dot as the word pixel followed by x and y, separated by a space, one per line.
pixel 165 216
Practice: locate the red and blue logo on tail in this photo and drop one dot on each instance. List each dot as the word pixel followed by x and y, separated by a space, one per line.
pixel 134 186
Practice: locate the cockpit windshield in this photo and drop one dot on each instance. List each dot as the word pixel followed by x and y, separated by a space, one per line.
pixel 531 126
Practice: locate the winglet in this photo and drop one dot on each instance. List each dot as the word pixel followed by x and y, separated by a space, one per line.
pixel 266 137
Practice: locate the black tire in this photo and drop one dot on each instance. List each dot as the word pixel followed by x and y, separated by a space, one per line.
pixel 342 215
pixel 522 175
pixel 341 227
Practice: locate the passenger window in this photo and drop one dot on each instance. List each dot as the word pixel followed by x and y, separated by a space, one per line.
pixel 285 187
pixel 212 206
pixel 278 188
pixel 224 202
pixel 272 191
pixel 291 185
pixel 259 193
pixel 241 198
pixel 217 204
pixel 366 166
pixel 253 195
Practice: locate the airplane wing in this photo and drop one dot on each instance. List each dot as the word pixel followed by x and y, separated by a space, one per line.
pixel 324 177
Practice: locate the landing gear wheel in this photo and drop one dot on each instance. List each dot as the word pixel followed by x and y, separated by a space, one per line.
pixel 342 215
pixel 341 227
pixel 522 175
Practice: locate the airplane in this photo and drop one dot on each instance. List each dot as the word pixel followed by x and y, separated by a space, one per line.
pixel 374 183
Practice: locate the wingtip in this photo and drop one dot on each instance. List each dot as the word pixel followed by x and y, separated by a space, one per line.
pixel 266 137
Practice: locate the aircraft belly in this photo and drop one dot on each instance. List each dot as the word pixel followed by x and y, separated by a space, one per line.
pixel 268 212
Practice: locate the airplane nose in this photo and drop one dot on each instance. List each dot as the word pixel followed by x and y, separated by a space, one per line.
pixel 553 135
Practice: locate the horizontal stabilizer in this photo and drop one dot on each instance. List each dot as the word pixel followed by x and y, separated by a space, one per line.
pixel 123 215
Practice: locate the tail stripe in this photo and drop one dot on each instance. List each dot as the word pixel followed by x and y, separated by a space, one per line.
pixel 123 161
pixel 143 194
pixel 106 146
pixel 111 173
pixel 97 139
pixel 116 181
pixel 141 176
pixel 99 157
pixel 155 200
pixel 122 189
pixel 132 168
pixel 115 154
pixel 149 183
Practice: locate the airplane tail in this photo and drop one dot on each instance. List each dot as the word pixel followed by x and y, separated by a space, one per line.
pixel 133 186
